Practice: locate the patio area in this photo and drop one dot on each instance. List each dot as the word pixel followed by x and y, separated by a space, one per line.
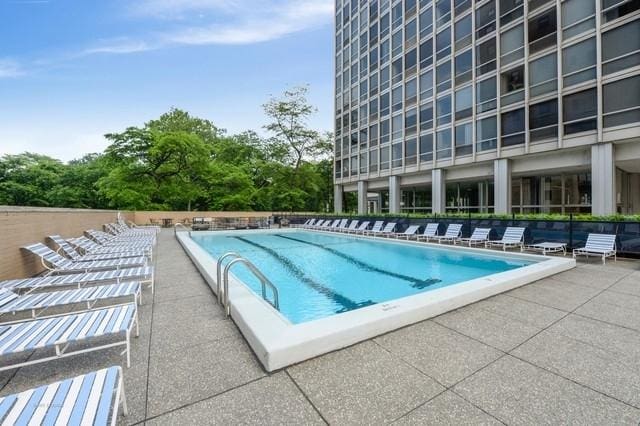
pixel 562 350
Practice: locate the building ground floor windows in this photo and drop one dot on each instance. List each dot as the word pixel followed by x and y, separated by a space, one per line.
pixel 608 182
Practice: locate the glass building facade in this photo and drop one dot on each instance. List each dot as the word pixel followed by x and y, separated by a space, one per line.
pixel 437 100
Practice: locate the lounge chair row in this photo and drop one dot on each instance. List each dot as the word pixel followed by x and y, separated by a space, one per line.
pixel 83 272
pixel 603 245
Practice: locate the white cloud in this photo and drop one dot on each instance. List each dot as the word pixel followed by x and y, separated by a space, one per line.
pixel 219 22
pixel 10 69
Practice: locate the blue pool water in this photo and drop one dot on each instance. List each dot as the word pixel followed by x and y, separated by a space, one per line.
pixel 319 274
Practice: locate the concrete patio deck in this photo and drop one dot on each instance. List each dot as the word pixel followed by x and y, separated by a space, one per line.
pixel 561 350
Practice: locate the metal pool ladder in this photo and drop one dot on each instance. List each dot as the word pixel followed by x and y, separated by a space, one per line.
pixel 222 282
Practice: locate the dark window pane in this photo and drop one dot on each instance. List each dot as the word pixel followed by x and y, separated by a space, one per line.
pixel 512 127
pixel 542 31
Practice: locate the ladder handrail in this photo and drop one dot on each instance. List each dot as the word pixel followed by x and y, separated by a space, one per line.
pixel 219 273
pixel 175 228
pixel 263 280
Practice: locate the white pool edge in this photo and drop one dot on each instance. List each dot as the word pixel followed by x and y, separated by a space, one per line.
pixel 278 343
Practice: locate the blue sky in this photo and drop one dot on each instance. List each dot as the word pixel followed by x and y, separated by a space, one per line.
pixel 73 70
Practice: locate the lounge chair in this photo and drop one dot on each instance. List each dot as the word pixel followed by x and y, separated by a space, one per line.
pixel 57 264
pixel 453 232
pixel 352 226
pixel 512 237
pixel 430 232
pixel 319 224
pixel 87 246
pixel 408 233
pixel 377 227
pixel 39 302
pixel 144 274
pixel 342 225
pixel 306 224
pixel 63 332
pixel 110 240
pixel 69 251
pixel 360 229
pixel 603 245
pixel 89 399
pixel 387 230
pixel 479 236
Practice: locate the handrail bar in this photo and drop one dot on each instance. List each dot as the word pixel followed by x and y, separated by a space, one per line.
pixel 263 280
pixel 219 273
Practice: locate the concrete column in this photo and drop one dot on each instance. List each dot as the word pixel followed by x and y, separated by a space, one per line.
pixel 362 197
pixel 394 194
pixel 337 198
pixel 502 186
pixel 438 191
pixel 482 198
pixel 603 180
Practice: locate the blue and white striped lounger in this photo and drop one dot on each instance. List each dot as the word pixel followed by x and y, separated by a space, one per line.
pixel 513 237
pixel 69 251
pixel 453 232
pixel 39 302
pixel 88 246
pixel 90 399
pixel 61 332
pixel 57 264
pixel 118 232
pixel 430 232
pixel 144 274
pixel 603 245
pixel 109 240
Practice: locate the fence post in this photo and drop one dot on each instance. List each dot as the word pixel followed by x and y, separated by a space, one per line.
pixel 571 230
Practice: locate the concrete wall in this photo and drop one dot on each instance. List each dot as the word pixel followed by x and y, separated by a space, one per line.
pixel 20 226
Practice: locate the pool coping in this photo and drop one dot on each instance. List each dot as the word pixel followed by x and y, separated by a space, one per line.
pixel 278 343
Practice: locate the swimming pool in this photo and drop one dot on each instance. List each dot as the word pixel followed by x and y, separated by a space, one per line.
pixel 323 274
pixel 337 290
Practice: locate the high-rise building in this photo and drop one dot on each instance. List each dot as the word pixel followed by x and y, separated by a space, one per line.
pixel 488 106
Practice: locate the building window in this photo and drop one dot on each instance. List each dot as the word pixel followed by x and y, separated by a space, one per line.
pixel 443 144
pixel 373 109
pixel 338 169
pixel 486 95
pixel 426 22
pixel 396 155
pixel 364 90
pixel 486 19
pixel 443 43
pixel 384 104
pixel 426 85
pixel 486 134
pixel 411 92
pixel 426 148
pixel 463 66
pixel 535 4
pixel 579 62
pixel 373 59
pixel 460 6
pixel 411 152
pixel 443 77
pixel 614 9
pixel 411 122
pixel 443 12
pixel 373 135
pixel 384 52
pixel 543 75
pixel 363 115
pixel 373 160
pixel 384 132
pixel 510 10
pixel 373 84
pixel 463 33
pixel 410 34
pixel 621 47
pixel 443 110
pixel 354 165
pixel 512 85
pixel 397 127
pixel 620 106
pixel 512 45
pixel 396 99
pixel 464 105
pixel 384 158
pixel 426 53
pixel 486 57
pixel 396 43
pixel 396 71
pixel 411 62
pixel 396 15
pixel 543 120
pixel 579 111
pixel 464 139
pixel 512 124
pixel 384 25
pixel 578 16
pixel 426 117
pixel 542 31
pixel 363 162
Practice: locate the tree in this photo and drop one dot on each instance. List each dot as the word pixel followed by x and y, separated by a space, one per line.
pixel 292 137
